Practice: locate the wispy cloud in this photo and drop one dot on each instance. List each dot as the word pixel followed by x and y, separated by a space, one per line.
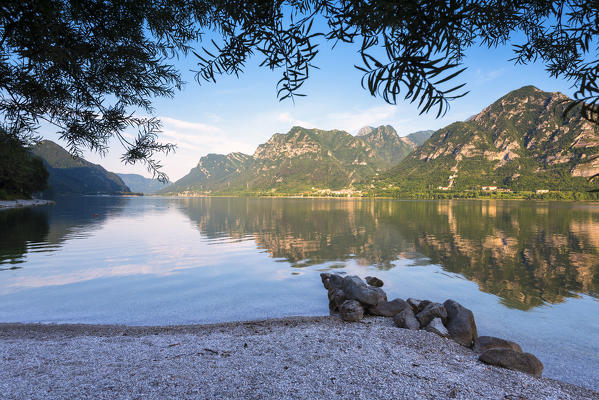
pixel 203 143
pixel 289 119
pixel 188 125
pixel 195 139
pixel 354 120
pixel 483 77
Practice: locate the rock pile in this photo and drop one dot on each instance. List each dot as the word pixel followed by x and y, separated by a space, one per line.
pixel 353 298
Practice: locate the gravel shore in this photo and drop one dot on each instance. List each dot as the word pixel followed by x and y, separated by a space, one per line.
pixel 4 204
pixel 291 358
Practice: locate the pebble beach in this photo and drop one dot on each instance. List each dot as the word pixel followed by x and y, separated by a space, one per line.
pixel 289 358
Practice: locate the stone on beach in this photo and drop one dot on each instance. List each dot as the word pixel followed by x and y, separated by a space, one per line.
pixel 430 312
pixel 381 293
pixel 336 298
pixel 356 289
pixel 351 311
pixel 351 296
pixel 460 323
pixel 406 319
pixel 388 308
pixel 484 343
pixel 514 360
pixel 417 305
pixel 331 281
pixel 374 281
pixel 436 326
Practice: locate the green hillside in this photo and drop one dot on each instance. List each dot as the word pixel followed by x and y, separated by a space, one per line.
pixel 418 138
pixel 21 174
pixel 73 175
pixel 211 173
pixel 390 148
pixel 522 142
pixel 299 161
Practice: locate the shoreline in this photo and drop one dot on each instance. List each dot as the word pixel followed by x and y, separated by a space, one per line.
pixel 9 204
pixel 356 198
pixel 293 357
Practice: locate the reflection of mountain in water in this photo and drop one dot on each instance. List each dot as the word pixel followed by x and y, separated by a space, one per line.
pixel 20 227
pixel 304 231
pixel 46 228
pixel 526 253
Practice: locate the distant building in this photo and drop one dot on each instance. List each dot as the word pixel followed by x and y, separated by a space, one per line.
pixel 339 193
pixel 451 181
pixel 541 191
pixel 489 188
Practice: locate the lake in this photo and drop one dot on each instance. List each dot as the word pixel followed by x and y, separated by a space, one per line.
pixel 528 270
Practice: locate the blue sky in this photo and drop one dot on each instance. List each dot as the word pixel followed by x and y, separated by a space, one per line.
pixel 238 114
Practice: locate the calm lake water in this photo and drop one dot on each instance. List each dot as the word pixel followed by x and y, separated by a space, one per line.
pixel 528 270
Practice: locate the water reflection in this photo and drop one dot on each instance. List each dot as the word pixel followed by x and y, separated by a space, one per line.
pixel 527 253
pixel 46 228
pixel 19 228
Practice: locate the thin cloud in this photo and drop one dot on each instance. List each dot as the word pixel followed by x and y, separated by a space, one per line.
pixel 289 119
pixel 194 140
pixel 188 125
pixel 353 121
pixel 206 143
pixel 483 77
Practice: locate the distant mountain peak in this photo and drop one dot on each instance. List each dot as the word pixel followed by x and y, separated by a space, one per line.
pixel 522 141
pixel 380 130
pixel 301 159
pixel 365 130
pixel 140 184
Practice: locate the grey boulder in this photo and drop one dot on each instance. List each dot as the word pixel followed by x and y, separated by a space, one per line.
pixel 336 298
pixel 356 289
pixel 331 281
pixel 460 323
pixel 406 319
pixel 514 360
pixel 382 296
pixel 351 311
pixel 436 326
pixel 388 308
pixel 484 343
pixel 374 281
pixel 417 305
pixel 430 312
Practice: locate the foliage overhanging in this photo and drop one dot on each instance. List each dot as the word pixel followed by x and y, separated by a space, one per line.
pixel 92 67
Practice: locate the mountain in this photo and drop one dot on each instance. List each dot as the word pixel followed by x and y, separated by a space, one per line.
pixel 299 160
pixel 521 142
pixel 418 138
pixel 390 148
pixel 140 184
pixel 74 175
pixel 211 173
pixel 303 158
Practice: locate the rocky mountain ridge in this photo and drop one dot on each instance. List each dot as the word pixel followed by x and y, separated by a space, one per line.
pixel 299 160
pixel 523 141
